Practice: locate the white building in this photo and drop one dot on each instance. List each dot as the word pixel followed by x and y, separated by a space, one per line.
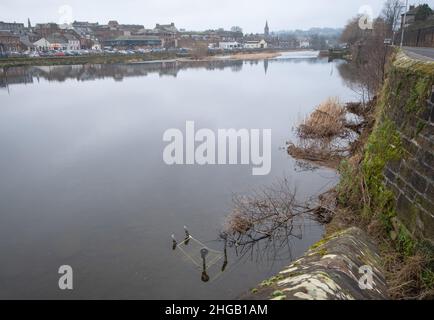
pixel 229 45
pixel 42 44
pixel 73 42
pixel 58 42
pixel 262 44
pixel 96 46
pixel 304 44
pixel 52 42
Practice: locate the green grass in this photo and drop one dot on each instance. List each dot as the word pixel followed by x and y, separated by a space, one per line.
pixel 92 59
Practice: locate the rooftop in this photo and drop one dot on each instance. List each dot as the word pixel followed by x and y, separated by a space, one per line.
pixel 137 37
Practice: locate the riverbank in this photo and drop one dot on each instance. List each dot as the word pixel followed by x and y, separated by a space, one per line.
pixel 385 189
pixel 249 56
pixel 386 186
pixel 137 58
pixel 88 59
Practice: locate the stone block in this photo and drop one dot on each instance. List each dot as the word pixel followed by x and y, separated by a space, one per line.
pixel 331 270
pixel 418 182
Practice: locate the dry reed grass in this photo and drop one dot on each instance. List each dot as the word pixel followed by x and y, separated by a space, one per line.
pixel 319 151
pixel 327 121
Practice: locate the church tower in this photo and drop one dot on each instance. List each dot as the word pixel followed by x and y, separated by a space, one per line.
pixel 266 29
pixel 29 25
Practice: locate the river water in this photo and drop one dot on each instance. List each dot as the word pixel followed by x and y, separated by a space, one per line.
pixel 83 181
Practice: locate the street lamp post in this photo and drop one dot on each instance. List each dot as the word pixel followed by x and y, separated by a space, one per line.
pixel 404 22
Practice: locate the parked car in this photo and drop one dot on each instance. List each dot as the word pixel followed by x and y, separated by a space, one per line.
pixel 144 50
pixel 14 54
pixel 33 54
pixel 158 49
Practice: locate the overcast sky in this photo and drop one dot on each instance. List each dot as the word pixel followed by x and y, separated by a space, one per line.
pixel 195 14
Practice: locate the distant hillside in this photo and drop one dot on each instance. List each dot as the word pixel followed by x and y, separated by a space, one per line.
pixel 325 32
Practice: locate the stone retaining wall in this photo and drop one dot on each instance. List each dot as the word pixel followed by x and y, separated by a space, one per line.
pixel 332 269
pixel 411 179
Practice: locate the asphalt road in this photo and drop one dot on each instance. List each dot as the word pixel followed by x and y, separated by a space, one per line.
pixel 425 54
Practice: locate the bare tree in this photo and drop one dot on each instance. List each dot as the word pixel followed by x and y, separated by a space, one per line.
pixel 391 15
pixel 352 32
pixel 263 223
pixel 369 54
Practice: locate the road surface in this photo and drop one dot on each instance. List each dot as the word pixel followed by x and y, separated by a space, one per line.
pixel 424 54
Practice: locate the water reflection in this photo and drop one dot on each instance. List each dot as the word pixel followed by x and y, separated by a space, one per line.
pixel 118 72
pixel 83 181
pixel 91 72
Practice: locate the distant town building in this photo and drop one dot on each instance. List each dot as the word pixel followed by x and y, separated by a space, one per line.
pixel 167 28
pixel 168 33
pixel 136 41
pixel 230 45
pixel 12 27
pixel 96 46
pixel 419 26
pixel 26 44
pixel 411 15
pixel 113 25
pixel 52 42
pixel 73 42
pixel 237 29
pixel 10 42
pixel 84 28
pixel 303 43
pixel 260 44
pixel 46 29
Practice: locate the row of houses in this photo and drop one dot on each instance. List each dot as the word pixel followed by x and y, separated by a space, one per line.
pixel 87 35
pixel 10 42
pixel 57 42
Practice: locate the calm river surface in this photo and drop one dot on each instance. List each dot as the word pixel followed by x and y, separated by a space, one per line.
pixel 83 182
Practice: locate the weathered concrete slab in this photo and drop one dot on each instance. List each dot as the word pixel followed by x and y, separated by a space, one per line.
pixel 330 270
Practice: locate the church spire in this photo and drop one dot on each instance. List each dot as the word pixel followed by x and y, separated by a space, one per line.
pixel 266 29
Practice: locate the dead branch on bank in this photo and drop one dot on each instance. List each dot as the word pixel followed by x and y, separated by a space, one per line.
pixel 320 151
pixel 325 209
pixel 264 222
pixel 260 214
pixel 268 219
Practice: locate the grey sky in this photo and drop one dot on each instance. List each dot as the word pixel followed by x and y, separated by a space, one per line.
pixel 196 14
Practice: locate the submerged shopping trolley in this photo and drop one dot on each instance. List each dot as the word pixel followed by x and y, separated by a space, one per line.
pixel 210 262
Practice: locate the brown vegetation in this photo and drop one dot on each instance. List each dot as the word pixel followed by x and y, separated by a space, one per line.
pixel 321 152
pixel 326 136
pixel 361 198
pixel 260 214
pixel 327 121
pixel 263 222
